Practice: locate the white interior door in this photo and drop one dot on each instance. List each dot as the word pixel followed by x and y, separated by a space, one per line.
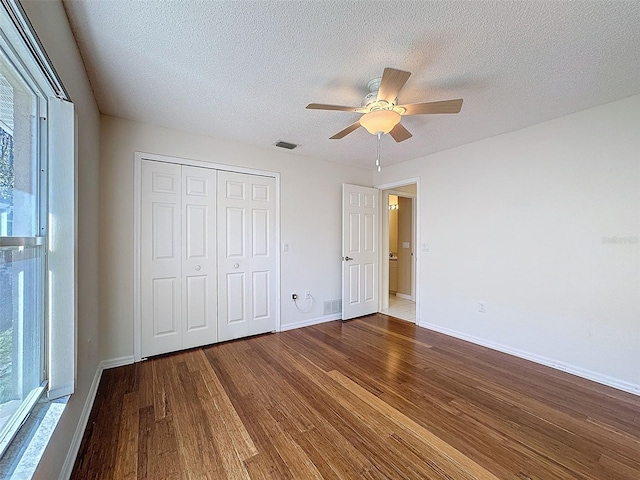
pixel 360 257
pixel 199 292
pixel 160 258
pixel 246 255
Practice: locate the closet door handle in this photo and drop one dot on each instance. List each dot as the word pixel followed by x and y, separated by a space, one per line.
pixel 348 258
pixel 236 265
pixel 198 267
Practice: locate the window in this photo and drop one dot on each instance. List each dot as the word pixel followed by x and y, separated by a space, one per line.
pixel 21 250
pixel 37 220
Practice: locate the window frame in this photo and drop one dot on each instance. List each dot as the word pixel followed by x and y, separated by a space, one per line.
pixel 23 52
pixel 39 163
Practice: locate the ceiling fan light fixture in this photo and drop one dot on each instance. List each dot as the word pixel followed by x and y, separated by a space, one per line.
pixel 380 121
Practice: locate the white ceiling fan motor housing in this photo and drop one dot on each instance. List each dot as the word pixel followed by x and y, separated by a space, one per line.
pixel 370 98
pixel 373 87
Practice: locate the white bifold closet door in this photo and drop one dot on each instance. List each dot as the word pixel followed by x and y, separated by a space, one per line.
pixel 246 255
pixel 178 294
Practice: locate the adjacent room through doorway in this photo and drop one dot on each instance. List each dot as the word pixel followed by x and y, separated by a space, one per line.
pixel 401 234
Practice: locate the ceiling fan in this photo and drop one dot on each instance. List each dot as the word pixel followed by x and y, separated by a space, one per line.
pixel 380 109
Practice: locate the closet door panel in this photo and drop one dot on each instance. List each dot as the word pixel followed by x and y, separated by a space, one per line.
pixel 160 263
pixel 164 306
pixel 246 264
pixel 199 291
pixel 260 300
pixel 235 234
pixel 196 316
pixel 235 298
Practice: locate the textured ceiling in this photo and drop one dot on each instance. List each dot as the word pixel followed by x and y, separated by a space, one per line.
pixel 245 70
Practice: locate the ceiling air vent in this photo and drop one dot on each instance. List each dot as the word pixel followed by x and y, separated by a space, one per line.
pixel 287 145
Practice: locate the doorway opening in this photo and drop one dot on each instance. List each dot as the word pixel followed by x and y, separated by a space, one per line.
pixel 399 242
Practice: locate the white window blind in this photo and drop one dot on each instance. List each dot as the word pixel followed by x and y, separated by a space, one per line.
pixel 61 264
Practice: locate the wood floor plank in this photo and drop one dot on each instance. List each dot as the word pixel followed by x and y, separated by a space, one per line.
pixel 330 455
pixel 238 435
pixel 379 426
pixel 166 459
pixel 371 398
pixel 196 441
pixel 159 392
pixel 146 454
pixel 621 470
pixel 126 467
pixel 367 439
pixel 144 385
pixel 263 428
pixel 232 461
pixel 407 425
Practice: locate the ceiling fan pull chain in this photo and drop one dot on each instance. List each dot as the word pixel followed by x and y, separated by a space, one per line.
pixel 379 134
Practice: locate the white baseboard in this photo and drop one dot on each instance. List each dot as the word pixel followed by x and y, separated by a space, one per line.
pixel 312 321
pixel 403 295
pixel 116 362
pixel 549 362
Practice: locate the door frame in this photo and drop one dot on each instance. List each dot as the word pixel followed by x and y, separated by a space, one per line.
pixel 383 282
pixel 137 200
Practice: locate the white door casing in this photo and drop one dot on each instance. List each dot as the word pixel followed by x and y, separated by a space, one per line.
pixel 246 255
pixel 360 251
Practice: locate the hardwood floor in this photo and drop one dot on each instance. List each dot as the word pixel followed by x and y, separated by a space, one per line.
pixel 373 397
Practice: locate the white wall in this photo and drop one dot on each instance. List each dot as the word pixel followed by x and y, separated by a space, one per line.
pixel 518 221
pixel 310 219
pixel 50 23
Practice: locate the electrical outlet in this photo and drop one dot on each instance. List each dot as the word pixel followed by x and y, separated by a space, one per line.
pixel 294 296
pixel 482 307
pixel 307 294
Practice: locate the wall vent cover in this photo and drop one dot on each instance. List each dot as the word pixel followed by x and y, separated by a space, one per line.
pixel 287 145
pixel 332 306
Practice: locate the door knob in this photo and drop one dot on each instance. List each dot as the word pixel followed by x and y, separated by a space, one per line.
pixel 198 267
pixel 236 265
pixel 348 258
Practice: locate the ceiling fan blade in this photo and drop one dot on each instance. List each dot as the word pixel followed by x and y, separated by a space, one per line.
pixel 400 134
pixel 346 131
pixel 446 106
pixel 322 106
pixel 392 82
